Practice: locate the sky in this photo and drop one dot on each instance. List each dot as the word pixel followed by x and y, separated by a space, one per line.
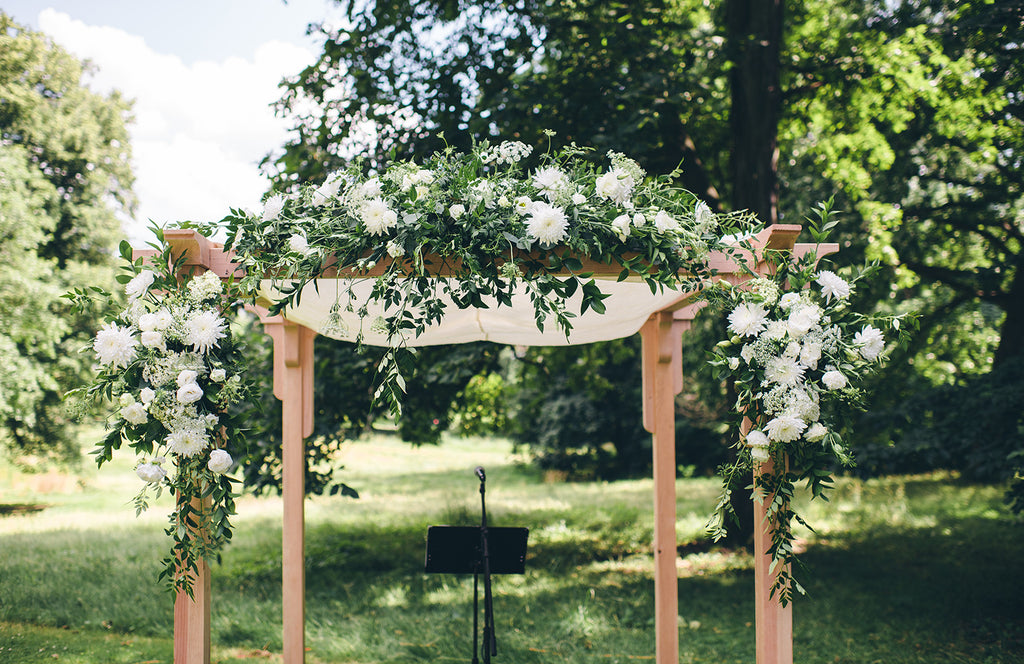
pixel 203 76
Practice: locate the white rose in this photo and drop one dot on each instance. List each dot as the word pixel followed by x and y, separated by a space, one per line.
pixel 187 376
pixel 218 375
pixel 135 413
pixel 815 432
pixel 148 322
pixel 189 393
pixel 146 395
pixel 220 461
pixel 457 210
pixel 150 472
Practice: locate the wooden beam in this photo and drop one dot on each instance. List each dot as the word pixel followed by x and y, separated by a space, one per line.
pixel 773 622
pixel 192 616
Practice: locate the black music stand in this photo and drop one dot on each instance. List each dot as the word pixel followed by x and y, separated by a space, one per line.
pixel 478 550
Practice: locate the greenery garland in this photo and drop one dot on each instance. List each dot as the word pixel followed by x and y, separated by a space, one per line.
pixel 489 224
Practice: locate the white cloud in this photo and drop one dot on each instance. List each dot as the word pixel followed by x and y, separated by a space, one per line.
pixel 200 130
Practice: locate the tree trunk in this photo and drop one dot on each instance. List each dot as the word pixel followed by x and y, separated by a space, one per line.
pixel 754 40
pixel 1011 335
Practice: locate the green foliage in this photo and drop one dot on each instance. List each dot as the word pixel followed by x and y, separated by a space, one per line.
pixel 65 174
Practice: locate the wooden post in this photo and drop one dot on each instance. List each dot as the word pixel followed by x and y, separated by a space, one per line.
pixel 293 385
pixel 773 622
pixel 662 375
pixel 192 616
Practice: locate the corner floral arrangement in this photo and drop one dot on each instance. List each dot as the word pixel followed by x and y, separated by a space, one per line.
pixel 486 221
pixel 796 357
pixel 171 370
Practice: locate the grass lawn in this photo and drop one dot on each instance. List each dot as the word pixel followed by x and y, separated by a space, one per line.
pixel 901 570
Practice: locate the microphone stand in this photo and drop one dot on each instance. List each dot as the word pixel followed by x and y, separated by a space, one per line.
pixel 490 641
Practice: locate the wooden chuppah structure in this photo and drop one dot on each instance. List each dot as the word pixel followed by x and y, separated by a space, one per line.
pixel 660 318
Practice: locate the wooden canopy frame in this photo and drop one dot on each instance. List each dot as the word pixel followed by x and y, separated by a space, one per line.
pixel 661 353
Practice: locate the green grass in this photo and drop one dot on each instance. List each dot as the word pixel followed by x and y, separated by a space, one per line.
pixel 901 570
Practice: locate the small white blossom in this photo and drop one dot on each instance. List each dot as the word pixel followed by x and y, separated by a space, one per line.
pixel 298 244
pixel 578 199
pixel 664 222
pixel 135 413
pixel 147 323
pixel 734 363
pixel 218 375
pixel 703 217
pixel 273 207
pixel 326 191
pixel 522 205
pixel 164 319
pixel 139 284
pixel 146 395
pixel 150 472
pixel 802 319
pixel 187 376
pixel 788 300
pixel 815 432
pixel 457 210
pixel 810 353
pixel 615 185
pixel 394 249
pixel 622 226
pixel 152 339
pixel 833 380
pixel 756 438
pixel 189 393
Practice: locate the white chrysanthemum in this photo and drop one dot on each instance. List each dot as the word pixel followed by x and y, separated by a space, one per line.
pixel 115 345
pixel 220 461
pixel 135 413
pixel 139 284
pixel 551 182
pixel 378 217
pixel 204 330
pixel 328 190
pixel 815 432
pixel 664 222
pixel 747 320
pixel 833 286
pixel 548 224
pixel 273 207
pixel 810 353
pixel 802 319
pixel 615 185
pixel 150 472
pixel 833 380
pixel 456 210
pixel 784 371
pixel 870 342
pixel 785 428
pixel 164 319
pixel 187 442
pixel 369 189
pixel 189 393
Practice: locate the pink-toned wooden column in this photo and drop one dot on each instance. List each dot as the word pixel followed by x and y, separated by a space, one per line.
pixel 293 385
pixel 192 619
pixel 661 336
pixel 773 622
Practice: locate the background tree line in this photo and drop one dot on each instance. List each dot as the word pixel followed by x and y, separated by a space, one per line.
pixel 908 114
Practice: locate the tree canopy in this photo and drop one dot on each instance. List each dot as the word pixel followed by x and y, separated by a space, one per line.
pixel 65 177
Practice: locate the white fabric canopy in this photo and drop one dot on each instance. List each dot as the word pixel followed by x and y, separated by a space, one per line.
pixel 322 308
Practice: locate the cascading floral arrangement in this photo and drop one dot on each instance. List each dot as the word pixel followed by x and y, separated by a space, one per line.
pixel 168 364
pixel 796 357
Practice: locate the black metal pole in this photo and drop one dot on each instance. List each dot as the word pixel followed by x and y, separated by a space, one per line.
pixel 490 640
pixel 476 612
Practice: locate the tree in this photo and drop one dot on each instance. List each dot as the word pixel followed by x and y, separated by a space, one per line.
pixel 65 176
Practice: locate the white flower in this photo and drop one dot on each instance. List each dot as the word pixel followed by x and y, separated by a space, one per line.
pixel 115 345
pixel 187 376
pixel 785 371
pixel 703 217
pixel 218 375
pixel 776 329
pixel 833 380
pixel 298 243
pixel 152 339
pixel 326 191
pixel 747 353
pixel 150 472
pixel 803 405
pixel 220 461
pixel 747 319
pixel 378 217
pixel 550 181
pixel 273 207
pixel 547 223
pixel 135 413
pixel 756 438
pixel 734 363
pixel 205 286
pixel 833 286
pixel 663 221
pixel 615 185
pixel 759 454
pixel 204 330
pixel 187 442
pixel 146 395
pixel 788 300
pixel 815 432
pixel 457 210
pixel 164 319
pixel 139 284
pixel 810 353
pixel 369 189
pixel 522 205
pixel 785 428
pixel 147 323
pixel 802 319
pixel 622 226
pixel 639 220
pixel 578 199
pixel 394 249
pixel 870 342
pixel 189 393
pixel 792 350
